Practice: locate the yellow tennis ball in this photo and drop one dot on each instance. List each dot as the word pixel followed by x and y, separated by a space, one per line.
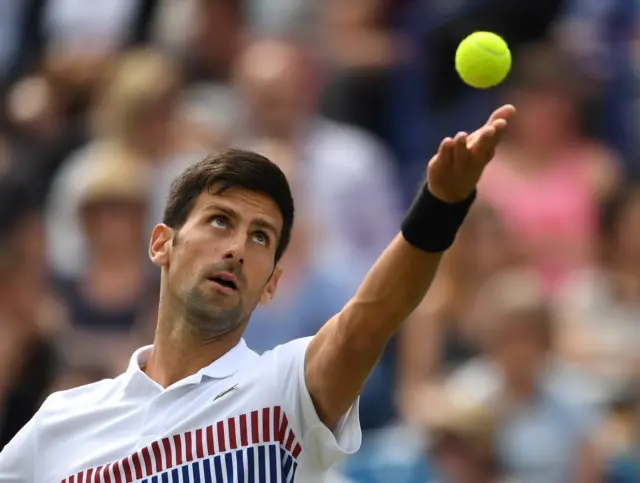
pixel 483 60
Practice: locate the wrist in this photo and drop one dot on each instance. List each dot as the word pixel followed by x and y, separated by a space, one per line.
pixel 431 224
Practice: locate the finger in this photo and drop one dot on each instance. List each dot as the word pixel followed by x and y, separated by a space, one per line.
pixel 445 153
pixel 483 140
pixel 460 151
pixel 505 112
pixel 501 128
pixel 500 116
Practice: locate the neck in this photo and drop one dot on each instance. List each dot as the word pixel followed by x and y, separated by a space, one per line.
pixel 178 349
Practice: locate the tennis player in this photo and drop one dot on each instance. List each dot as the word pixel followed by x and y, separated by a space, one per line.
pixel 200 406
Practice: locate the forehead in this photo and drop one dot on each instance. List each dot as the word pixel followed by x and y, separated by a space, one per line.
pixel 247 204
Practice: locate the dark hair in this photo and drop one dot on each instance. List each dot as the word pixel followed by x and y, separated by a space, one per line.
pixel 17 202
pixel 233 167
pixel 613 208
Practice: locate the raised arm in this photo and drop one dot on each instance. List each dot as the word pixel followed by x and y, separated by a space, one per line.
pixel 341 356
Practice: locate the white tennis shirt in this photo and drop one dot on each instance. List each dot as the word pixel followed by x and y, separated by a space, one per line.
pixel 244 418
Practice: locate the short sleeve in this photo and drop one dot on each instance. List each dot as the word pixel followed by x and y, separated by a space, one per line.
pixel 327 447
pixel 17 458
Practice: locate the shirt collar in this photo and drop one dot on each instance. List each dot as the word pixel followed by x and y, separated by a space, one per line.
pixel 222 367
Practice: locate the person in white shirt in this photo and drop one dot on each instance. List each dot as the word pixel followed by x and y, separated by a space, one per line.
pixel 198 405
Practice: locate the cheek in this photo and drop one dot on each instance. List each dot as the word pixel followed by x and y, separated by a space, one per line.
pixel 184 260
pixel 258 269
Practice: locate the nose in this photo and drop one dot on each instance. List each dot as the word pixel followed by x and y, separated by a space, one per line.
pixel 235 249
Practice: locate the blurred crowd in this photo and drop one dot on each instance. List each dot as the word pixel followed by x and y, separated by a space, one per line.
pixel 523 362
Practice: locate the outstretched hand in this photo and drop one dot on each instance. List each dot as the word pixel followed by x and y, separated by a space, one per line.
pixel 454 171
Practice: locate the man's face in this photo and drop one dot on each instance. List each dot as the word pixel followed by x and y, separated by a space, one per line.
pixel 220 264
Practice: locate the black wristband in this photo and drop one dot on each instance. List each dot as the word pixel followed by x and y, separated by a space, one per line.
pixel 431 224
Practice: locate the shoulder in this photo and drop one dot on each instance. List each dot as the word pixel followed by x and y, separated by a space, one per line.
pixel 284 353
pixel 585 289
pixel 81 398
pixel 568 396
pixel 276 369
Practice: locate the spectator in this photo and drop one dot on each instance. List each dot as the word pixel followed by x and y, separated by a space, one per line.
pixel 212 36
pixel 361 54
pixel 546 433
pixel 620 440
pixel 139 112
pixel 114 292
pixel 216 40
pixel 548 179
pixel 343 175
pixel 441 335
pixel 600 307
pixel 463 446
pixel 27 319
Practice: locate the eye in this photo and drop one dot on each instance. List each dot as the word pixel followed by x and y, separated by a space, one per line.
pixel 261 238
pixel 219 221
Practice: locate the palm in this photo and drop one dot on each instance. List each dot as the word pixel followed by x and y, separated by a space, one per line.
pixel 456 168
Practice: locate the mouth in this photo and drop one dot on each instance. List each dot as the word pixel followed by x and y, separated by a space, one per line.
pixel 225 280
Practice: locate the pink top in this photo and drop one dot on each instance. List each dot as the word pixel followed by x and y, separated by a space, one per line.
pixel 550 212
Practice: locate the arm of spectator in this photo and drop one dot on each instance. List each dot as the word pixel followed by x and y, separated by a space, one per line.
pixel 590 457
pixel 589 464
pixel 604 170
pixel 578 342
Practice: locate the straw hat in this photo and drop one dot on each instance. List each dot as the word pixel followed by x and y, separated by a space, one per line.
pixel 473 423
pixel 116 175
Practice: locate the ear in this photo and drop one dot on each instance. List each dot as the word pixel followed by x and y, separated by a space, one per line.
pixel 160 245
pixel 272 285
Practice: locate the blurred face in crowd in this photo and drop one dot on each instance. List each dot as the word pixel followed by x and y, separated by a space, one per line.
pixel 459 460
pixel 153 123
pixel 545 118
pixel 271 79
pixel 220 264
pixel 216 33
pixel 482 246
pixel 115 228
pixel 520 347
pixel 138 105
pixel 356 13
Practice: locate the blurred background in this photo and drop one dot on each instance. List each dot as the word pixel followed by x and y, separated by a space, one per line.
pixel 523 362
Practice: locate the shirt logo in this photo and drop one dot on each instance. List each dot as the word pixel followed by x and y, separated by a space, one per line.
pixel 225 392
